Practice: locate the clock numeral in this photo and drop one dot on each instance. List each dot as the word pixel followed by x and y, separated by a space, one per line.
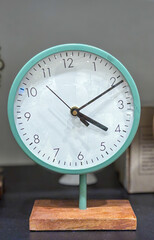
pixel 94 66
pixel 27 115
pixel 121 104
pixel 113 79
pixel 118 128
pixel 103 147
pixel 80 156
pixel 32 91
pixel 68 63
pixel 57 150
pixel 46 72
pixel 36 139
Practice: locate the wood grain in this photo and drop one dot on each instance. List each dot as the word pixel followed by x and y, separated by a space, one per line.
pixel 65 215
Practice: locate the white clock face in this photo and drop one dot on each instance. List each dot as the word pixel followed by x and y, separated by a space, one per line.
pixel 72 79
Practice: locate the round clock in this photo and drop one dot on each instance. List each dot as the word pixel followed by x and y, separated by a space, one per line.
pixel 74 108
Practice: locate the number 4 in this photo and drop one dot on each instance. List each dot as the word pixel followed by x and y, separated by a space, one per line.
pixel 117 128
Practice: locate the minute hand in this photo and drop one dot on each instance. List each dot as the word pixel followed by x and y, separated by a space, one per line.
pixel 100 95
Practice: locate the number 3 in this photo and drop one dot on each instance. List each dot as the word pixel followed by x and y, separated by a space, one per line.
pixel 121 104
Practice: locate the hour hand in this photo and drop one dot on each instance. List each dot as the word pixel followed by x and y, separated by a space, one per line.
pixel 97 124
pixel 85 119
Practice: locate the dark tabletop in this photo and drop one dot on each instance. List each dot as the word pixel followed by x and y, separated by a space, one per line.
pixel 25 184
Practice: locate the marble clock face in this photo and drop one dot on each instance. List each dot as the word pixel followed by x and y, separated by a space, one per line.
pixel 73 110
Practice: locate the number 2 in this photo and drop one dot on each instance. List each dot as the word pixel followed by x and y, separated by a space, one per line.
pixel 113 79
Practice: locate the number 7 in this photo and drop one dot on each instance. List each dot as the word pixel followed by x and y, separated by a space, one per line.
pixel 57 150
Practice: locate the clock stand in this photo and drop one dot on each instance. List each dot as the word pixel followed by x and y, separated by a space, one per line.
pixel 50 215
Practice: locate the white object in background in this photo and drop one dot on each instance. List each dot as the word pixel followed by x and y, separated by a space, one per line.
pixel 73 180
pixel 137 172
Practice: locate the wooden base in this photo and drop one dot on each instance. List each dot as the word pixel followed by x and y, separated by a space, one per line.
pixel 65 215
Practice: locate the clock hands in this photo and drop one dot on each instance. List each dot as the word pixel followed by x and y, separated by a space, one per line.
pixel 79 114
pixel 75 112
pixel 100 95
pixel 97 124
pixel 83 118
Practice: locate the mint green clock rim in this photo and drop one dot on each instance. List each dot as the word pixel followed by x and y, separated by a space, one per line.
pixel 74 47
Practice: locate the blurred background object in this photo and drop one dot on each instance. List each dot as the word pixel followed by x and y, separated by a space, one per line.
pixel 137 172
pixel 73 180
pixel 123 28
pixel 1 183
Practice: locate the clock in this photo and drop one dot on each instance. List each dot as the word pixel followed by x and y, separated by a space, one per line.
pixel 74 108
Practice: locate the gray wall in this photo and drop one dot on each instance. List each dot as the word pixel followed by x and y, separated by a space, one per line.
pixel 123 28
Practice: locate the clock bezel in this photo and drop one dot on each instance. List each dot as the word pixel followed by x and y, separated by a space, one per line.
pixel 84 48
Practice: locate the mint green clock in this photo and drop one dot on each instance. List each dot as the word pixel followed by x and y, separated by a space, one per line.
pixel 74 109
